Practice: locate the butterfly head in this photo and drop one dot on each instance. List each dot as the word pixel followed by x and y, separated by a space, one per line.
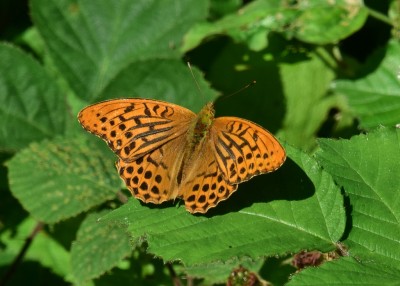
pixel 206 114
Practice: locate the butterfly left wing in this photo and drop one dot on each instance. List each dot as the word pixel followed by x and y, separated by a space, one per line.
pixel 133 127
pixel 244 149
pixel 152 178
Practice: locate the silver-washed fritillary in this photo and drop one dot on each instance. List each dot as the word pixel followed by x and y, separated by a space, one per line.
pixel 166 151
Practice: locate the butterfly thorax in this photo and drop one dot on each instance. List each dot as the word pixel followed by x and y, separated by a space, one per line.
pixel 202 125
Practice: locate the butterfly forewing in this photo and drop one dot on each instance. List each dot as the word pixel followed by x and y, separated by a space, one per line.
pixel 134 127
pixel 243 149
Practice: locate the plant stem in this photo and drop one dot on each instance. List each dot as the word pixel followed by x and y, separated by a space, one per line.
pixel 17 261
pixel 379 16
pixel 175 278
pixel 121 197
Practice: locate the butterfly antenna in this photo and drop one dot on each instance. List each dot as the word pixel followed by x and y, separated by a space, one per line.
pixel 238 91
pixel 194 78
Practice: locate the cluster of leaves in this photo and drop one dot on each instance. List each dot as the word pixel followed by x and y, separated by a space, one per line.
pixel 315 78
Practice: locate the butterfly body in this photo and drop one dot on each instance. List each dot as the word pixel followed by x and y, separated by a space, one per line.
pixel 203 123
pixel 166 151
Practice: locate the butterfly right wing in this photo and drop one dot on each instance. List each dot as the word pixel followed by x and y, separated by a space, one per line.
pixel 207 189
pixel 244 149
pixel 204 185
pixel 134 127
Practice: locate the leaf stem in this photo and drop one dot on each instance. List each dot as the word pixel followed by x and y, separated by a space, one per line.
pixel 379 16
pixel 17 261
pixel 175 278
pixel 121 197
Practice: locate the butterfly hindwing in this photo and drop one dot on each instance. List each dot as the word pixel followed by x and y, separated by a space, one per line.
pixel 207 186
pixel 152 178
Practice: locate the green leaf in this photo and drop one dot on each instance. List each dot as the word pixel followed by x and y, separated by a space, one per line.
pixel 55 180
pixel 219 8
pixel 393 12
pixel 250 24
pixel 324 22
pixel 98 248
pixel 375 98
pixel 32 39
pixel 317 22
pixel 367 167
pixel 261 229
pixel 347 271
pixel 307 104
pixel 92 41
pixel 31 105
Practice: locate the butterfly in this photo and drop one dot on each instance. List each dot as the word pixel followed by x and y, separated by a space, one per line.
pixel 166 151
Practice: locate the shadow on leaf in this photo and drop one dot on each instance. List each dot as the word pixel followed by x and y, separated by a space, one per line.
pixel 288 183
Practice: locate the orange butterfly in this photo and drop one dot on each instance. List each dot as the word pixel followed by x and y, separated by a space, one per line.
pixel 166 151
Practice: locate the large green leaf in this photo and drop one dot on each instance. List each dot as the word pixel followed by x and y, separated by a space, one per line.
pixel 375 98
pixel 92 41
pixel 31 105
pixel 367 167
pixel 58 179
pixel 323 21
pixel 256 230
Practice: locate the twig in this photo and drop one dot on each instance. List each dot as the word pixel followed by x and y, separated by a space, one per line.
pixel 172 273
pixel 121 197
pixel 17 261
pixel 380 16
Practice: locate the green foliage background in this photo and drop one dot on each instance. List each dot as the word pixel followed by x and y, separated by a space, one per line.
pixel 327 76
